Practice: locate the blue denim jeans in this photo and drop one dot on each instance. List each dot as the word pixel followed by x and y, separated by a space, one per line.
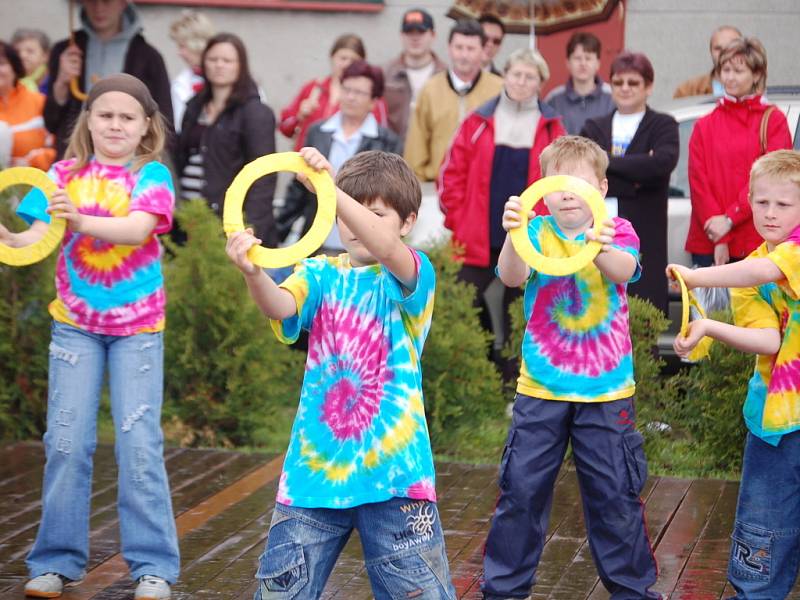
pixel 78 363
pixel 765 545
pixel 401 538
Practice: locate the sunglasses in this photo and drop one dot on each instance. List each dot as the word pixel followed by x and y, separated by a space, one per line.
pixel 494 40
pixel 632 83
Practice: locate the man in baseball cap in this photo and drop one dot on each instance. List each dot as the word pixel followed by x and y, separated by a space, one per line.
pixel 406 74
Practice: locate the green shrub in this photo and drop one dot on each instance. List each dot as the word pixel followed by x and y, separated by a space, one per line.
pixel 25 293
pixel 228 380
pixel 710 405
pixel 462 387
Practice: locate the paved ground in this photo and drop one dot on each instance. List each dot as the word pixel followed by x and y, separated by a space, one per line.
pixel 223 502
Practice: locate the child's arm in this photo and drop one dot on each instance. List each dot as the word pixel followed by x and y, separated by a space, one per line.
pixel 755 340
pixel 130 230
pixel 378 236
pixel 512 269
pixel 742 274
pixel 23 238
pixel 615 264
pixel 276 303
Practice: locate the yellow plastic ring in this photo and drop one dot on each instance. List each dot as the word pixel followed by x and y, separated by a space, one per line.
pixel 531 197
pixel 27 255
pixel 232 218
pixel 75 89
pixel 701 350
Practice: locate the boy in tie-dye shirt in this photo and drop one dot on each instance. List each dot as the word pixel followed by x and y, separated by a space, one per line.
pixel 575 386
pixel 766 306
pixel 359 456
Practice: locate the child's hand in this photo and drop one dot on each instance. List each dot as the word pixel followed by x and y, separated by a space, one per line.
pixel 684 345
pixel 5 234
pixel 316 161
pixel 237 246
pixel 686 274
pixel 62 206
pixel 606 235
pixel 511 213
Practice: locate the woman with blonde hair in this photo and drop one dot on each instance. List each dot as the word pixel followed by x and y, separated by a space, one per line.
pixel 494 155
pixel 191 34
pixel 723 147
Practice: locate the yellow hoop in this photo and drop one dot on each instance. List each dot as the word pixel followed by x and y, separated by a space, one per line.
pixel 688 299
pixel 232 219
pixel 76 90
pixel 27 255
pixel 531 197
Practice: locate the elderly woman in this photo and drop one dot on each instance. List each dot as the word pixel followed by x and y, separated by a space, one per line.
pixel 319 98
pixel 191 34
pixel 643 147
pixel 24 141
pixel 723 147
pixel 494 155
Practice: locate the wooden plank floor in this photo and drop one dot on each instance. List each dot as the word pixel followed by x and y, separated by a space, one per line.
pixel 223 503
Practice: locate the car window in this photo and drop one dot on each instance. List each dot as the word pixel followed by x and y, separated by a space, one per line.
pixel 679 180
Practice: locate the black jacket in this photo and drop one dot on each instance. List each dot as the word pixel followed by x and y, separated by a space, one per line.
pixel 142 61
pixel 299 201
pixel 640 182
pixel 241 133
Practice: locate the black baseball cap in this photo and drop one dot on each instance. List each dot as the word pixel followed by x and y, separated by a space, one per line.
pixel 417 19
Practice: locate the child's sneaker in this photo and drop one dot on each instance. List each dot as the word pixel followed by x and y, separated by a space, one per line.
pixel 152 588
pixel 49 585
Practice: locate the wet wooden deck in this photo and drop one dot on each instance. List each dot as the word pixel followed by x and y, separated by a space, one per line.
pixel 223 502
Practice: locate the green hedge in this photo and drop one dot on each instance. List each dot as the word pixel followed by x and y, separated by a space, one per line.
pixel 229 382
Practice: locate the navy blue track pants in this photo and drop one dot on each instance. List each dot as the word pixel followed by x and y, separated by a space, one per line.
pixel 611 468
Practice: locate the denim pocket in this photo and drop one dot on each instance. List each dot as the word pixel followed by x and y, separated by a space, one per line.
pixel 410 575
pixel 751 553
pixel 635 461
pixel 282 571
pixel 501 476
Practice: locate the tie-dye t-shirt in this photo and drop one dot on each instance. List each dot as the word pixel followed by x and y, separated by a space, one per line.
pixel 576 345
pixel 360 434
pixel 108 288
pixel 772 407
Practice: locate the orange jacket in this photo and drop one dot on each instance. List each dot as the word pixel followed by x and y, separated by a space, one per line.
pixel 22 110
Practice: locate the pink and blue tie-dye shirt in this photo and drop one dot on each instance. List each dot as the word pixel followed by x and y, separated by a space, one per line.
pixel 108 288
pixel 360 434
pixel 772 407
pixel 576 345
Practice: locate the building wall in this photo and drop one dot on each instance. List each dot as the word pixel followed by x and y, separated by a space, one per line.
pixel 289 47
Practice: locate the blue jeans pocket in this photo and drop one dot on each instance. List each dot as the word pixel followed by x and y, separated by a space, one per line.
pixel 751 553
pixel 635 461
pixel 409 574
pixel 502 480
pixel 282 571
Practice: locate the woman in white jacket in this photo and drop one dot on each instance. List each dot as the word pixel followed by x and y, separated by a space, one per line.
pixel 191 33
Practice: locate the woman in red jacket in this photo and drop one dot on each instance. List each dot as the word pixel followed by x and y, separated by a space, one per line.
pixel 319 98
pixel 723 147
pixel 494 155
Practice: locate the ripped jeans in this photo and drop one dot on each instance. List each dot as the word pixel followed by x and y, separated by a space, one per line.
pixel 401 539
pixel 78 363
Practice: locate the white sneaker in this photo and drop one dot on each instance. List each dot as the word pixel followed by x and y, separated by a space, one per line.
pixel 152 588
pixel 49 585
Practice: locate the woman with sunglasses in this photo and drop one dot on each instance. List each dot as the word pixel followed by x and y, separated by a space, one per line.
pixel 643 147
pixel 723 147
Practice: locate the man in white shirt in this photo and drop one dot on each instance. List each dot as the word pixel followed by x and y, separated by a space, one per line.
pixel 447 98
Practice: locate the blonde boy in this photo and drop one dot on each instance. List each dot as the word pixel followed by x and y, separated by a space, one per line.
pixel 576 385
pixel 359 456
pixel 766 538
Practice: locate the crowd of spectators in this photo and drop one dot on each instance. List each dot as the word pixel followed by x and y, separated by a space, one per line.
pixel 460 120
